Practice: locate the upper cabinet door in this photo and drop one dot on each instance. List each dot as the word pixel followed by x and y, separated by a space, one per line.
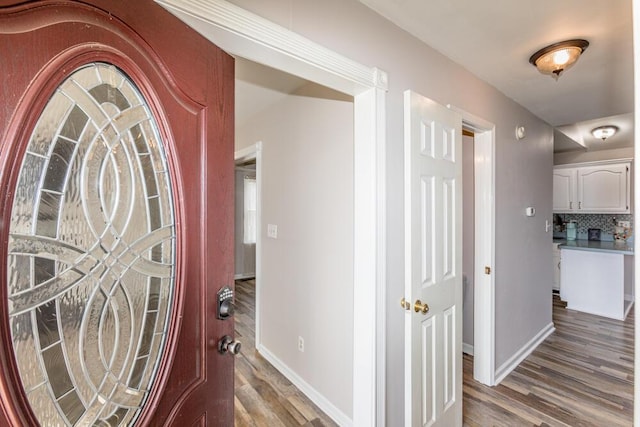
pixel 564 190
pixel 604 189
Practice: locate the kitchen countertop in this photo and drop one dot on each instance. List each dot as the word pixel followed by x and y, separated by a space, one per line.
pixel 625 248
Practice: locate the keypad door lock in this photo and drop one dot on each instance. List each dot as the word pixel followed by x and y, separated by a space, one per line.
pixel 225 306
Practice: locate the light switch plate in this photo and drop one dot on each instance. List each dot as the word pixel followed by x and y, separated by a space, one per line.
pixel 272 231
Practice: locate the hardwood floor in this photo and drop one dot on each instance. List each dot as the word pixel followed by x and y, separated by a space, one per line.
pixel 263 396
pixel 582 375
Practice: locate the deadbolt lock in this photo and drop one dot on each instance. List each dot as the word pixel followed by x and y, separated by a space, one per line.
pixel 405 304
pixel 224 303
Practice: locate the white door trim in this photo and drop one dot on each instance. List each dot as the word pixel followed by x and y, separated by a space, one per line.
pixel 636 196
pixel 484 251
pixel 244 34
pixel 254 152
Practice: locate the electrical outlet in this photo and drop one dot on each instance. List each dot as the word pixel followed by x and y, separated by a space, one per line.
pixel 301 344
pixel 625 224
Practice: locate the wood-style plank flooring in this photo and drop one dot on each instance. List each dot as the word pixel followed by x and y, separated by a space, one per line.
pixel 263 396
pixel 582 375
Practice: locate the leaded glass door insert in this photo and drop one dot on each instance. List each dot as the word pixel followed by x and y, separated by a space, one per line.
pixel 91 264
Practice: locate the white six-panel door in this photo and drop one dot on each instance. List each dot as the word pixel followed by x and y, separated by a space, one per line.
pixel 433 258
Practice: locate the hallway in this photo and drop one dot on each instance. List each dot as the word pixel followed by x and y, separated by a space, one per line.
pixel 581 375
pixel 263 396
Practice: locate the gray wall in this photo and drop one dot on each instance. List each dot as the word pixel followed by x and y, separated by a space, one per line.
pixel 523 271
pixel 306 281
pixel 581 156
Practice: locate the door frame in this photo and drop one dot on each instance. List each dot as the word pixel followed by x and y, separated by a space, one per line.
pixel 244 34
pixel 238 167
pixel 484 250
pixel 636 207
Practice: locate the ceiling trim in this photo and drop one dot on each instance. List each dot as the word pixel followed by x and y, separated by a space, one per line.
pixel 235 23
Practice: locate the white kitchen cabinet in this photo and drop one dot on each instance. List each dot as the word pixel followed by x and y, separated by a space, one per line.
pixel 599 283
pixel 564 189
pixel 604 189
pixel 556 267
pixel 599 187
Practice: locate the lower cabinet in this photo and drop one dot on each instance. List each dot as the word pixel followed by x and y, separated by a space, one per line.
pixel 556 267
pixel 599 283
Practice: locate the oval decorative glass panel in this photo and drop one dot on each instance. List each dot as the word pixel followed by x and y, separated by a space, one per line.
pixel 91 265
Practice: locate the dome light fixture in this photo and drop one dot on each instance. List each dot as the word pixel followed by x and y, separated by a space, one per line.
pixel 558 57
pixel 604 132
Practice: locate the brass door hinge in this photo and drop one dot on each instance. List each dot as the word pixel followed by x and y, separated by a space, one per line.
pixel 487 270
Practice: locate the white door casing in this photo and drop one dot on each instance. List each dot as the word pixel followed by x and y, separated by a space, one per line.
pixel 433 263
pixel 484 250
pixel 254 152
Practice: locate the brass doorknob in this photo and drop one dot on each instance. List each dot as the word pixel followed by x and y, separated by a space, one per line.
pixel 418 306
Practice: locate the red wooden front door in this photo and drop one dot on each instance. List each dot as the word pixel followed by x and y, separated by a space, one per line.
pixel 50 55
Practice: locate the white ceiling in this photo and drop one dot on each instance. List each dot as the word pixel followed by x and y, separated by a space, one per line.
pixel 495 38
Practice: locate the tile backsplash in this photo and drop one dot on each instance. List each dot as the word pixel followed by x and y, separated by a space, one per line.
pixel 604 222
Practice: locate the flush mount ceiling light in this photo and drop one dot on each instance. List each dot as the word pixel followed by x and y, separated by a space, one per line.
pixel 558 57
pixel 604 132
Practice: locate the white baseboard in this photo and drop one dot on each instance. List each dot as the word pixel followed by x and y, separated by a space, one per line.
pixel 244 276
pixel 628 309
pixel 513 362
pixel 467 348
pixel 327 407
